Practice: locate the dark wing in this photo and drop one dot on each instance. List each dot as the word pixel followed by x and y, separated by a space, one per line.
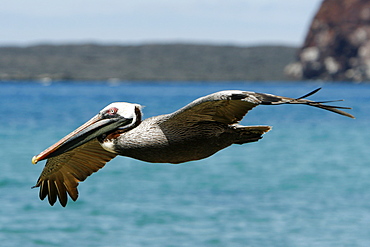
pixel 269 99
pixel 231 106
pixel 62 173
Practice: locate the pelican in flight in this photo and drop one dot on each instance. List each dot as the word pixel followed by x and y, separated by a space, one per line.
pixel 194 132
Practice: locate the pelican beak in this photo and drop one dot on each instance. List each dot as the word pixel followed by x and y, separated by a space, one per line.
pixel 86 132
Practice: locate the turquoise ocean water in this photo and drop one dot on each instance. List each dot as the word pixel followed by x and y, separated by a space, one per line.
pixel 307 183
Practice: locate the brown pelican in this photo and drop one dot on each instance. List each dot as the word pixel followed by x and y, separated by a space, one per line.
pixel 193 132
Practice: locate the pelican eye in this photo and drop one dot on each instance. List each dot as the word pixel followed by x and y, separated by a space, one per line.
pixel 112 111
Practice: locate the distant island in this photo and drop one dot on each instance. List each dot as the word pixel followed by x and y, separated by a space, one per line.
pixel 158 62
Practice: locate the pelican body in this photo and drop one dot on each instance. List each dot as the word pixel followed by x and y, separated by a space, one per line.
pixel 196 131
pixel 157 140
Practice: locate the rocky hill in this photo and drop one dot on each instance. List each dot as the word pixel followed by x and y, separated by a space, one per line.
pixel 171 62
pixel 337 46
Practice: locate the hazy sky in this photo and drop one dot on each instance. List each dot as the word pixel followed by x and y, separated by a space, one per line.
pixel 241 22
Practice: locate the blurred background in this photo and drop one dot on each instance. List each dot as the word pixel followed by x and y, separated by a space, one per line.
pixel 186 41
pixel 143 40
pixel 305 184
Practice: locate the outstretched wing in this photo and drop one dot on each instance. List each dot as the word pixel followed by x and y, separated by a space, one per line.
pixel 269 99
pixel 62 173
pixel 227 107
pixel 231 106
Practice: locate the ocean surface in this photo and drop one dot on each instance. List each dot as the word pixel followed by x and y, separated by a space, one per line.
pixel 306 183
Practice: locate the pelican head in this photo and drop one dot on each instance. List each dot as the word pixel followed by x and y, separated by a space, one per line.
pixel 115 116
